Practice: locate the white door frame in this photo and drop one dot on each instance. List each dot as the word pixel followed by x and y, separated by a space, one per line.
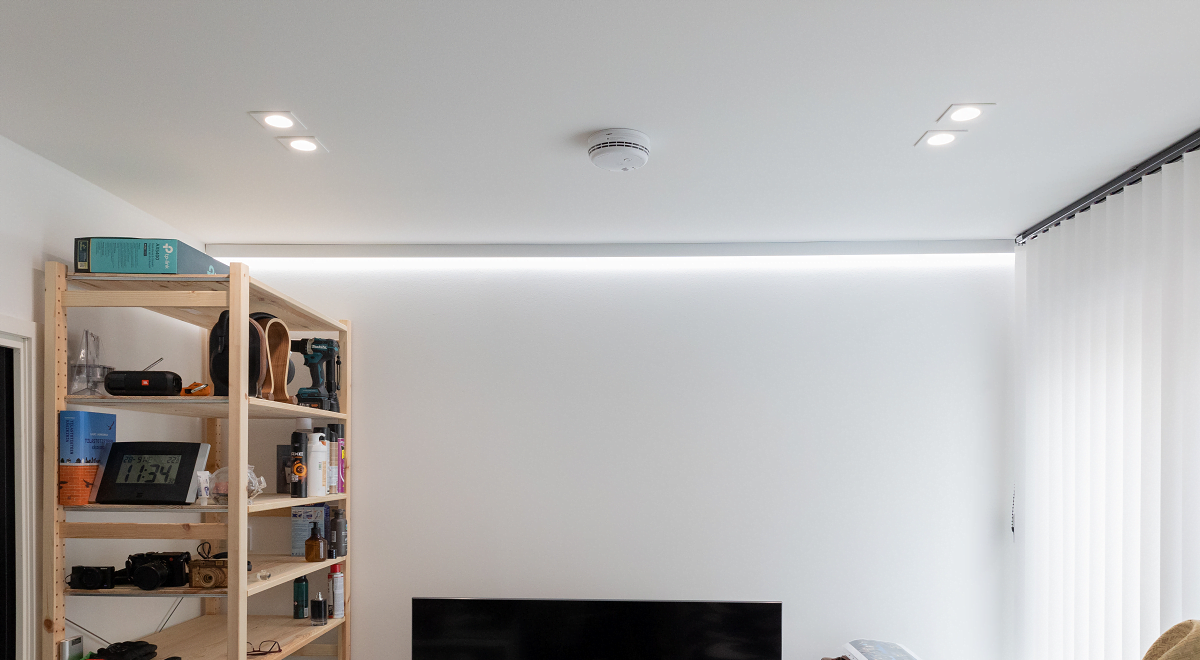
pixel 21 336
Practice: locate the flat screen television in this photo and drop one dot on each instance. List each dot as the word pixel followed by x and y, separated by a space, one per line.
pixel 517 629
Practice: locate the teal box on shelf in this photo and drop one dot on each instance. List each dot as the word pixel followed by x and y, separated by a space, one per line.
pixel 83 436
pixel 143 256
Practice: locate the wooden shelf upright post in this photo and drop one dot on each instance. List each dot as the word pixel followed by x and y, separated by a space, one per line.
pixel 237 448
pixel 54 399
pixel 346 379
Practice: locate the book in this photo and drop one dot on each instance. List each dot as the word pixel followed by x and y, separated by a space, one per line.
pixel 869 649
pixel 143 256
pixel 83 438
pixel 302 519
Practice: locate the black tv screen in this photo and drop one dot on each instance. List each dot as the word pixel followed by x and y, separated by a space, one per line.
pixel 503 629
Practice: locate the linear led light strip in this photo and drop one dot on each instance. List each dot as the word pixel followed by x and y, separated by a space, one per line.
pixel 332 258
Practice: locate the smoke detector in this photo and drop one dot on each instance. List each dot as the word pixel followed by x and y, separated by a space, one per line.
pixel 619 149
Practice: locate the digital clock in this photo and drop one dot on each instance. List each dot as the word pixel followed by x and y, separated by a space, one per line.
pixel 149 473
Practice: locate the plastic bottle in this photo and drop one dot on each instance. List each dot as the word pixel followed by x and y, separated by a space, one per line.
pixel 337 591
pixel 315 548
pixel 340 525
pixel 300 598
pixel 318 464
pixel 331 465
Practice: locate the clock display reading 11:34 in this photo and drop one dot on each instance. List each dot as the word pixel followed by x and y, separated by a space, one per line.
pixel 148 469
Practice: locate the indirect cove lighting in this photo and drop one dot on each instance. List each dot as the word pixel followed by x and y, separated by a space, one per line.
pixel 964 114
pixel 805 263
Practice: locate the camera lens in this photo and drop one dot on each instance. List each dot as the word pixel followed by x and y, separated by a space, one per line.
pixel 207 579
pixel 90 578
pixel 151 575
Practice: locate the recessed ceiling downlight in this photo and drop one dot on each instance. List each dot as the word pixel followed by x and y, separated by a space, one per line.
pixel 965 113
pixel 938 139
pixel 275 119
pixel 303 143
pixel 619 149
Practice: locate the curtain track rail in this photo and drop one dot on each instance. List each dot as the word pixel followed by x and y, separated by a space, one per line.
pixel 1149 166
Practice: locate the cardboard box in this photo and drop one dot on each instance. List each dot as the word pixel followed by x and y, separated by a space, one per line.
pixel 82 439
pixel 302 519
pixel 144 256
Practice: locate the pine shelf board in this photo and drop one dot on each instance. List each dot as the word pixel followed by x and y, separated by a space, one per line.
pixel 131 591
pixel 283 568
pixel 297 315
pixel 216 407
pixel 203 638
pixel 264 502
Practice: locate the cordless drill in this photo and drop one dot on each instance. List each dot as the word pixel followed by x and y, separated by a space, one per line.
pixel 325 366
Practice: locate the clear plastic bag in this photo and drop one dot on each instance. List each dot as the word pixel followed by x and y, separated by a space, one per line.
pixel 220 485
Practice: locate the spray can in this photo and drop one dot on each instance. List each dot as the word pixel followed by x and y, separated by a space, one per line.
pixel 297 473
pixel 331 465
pixel 337 591
pixel 300 598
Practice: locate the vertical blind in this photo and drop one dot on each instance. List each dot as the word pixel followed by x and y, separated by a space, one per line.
pixel 1109 499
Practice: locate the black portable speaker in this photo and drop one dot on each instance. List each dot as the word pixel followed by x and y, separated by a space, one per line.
pixel 143 383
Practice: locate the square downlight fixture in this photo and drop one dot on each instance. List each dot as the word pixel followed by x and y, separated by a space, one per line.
pixel 277 120
pixel 305 144
pixel 959 113
pixel 934 139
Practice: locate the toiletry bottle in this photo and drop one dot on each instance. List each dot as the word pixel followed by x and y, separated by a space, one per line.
pixel 337 591
pixel 340 526
pixel 318 464
pixel 300 598
pixel 331 464
pixel 298 465
pixel 319 611
pixel 315 548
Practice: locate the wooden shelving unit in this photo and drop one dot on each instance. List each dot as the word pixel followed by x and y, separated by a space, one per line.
pixel 283 568
pixel 226 627
pixel 201 638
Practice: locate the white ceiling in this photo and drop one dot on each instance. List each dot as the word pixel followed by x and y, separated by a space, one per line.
pixel 466 121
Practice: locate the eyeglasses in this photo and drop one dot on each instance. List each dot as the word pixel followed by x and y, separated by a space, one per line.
pixel 272 647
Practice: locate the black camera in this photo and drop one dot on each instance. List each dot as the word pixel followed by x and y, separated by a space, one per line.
pixel 91 577
pixel 151 570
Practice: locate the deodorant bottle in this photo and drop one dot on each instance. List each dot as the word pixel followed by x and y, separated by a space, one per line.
pixel 318 465
pixel 337 591
pixel 300 598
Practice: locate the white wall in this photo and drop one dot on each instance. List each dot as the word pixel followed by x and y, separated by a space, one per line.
pixel 831 434
pixel 828 432
pixel 42 209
